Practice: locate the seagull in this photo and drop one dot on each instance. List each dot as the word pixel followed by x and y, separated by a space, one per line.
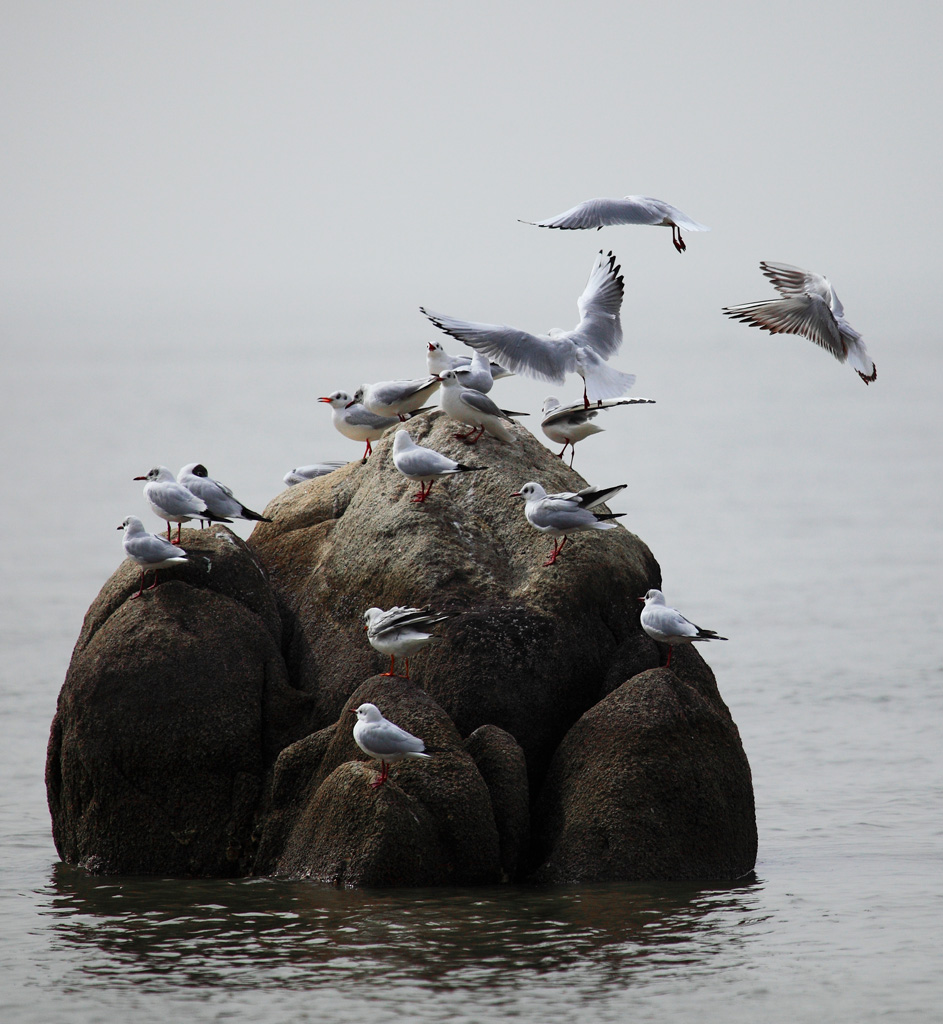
pixel 668 626
pixel 567 512
pixel 397 397
pixel 422 464
pixel 385 742
pixel 218 497
pixel 356 422
pixel 810 307
pixel 473 408
pixel 553 355
pixel 600 213
pixel 300 474
pixel 149 550
pixel 438 361
pixel 567 424
pixel 174 502
pixel 400 631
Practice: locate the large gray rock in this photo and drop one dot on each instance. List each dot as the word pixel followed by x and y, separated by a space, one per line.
pixel 531 647
pixel 172 708
pixel 651 783
pixel 204 729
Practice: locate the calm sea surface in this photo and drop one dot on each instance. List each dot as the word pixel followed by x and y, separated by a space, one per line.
pixel 791 508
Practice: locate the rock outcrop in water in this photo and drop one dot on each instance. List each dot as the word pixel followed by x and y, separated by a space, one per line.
pixel 204 729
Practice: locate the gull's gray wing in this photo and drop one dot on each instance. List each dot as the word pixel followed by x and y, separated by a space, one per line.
pixel 483 404
pixel 592 496
pixel 150 548
pixel 385 738
pixel 360 416
pixel 599 307
pixel 577 413
pixel 808 315
pixel 419 460
pixel 794 282
pixel 548 359
pixel 599 213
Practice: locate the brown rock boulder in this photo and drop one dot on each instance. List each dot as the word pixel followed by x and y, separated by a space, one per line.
pixel 430 823
pixel 500 760
pixel 172 708
pixel 531 646
pixel 651 783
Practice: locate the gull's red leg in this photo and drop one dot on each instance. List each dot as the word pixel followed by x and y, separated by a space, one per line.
pixel 392 663
pixel 383 774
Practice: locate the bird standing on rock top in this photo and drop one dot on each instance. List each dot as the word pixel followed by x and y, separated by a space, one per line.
pixel 567 512
pixel 551 356
pixel 567 424
pixel 809 306
pixel 668 626
pixel 474 409
pixel 174 502
pixel 400 631
pixel 600 213
pixel 385 742
pixel 355 421
pixel 149 550
pixel 218 497
pixel 424 465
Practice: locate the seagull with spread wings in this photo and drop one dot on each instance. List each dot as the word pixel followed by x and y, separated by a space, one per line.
pixel 551 356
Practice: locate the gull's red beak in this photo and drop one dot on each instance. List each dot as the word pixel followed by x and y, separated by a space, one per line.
pixel 431 347
pixel 353 711
pixel 324 399
pixel 140 478
pixel 515 494
pixel 642 599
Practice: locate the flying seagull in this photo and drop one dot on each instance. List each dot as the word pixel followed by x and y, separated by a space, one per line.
pixel 810 307
pixel 551 356
pixel 600 213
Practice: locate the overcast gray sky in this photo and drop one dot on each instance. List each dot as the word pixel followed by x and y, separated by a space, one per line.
pixel 317 168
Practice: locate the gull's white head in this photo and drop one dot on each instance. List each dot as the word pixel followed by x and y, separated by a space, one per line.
pixel 402 440
pixel 158 473
pixel 450 379
pixel 336 399
pixel 368 713
pixel 653 597
pixel 132 525
pixel 530 492
pixel 550 403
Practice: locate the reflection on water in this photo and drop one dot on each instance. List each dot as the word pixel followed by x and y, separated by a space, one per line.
pixel 167 935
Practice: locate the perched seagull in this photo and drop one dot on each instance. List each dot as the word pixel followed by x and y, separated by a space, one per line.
pixel 474 409
pixel 397 397
pixel 400 631
pixel 385 742
pixel 668 626
pixel 218 497
pixel 174 502
pixel 438 361
pixel 600 213
pixel 553 355
pixel 567 512
pixel 356 422
pixel 299 474
pixel 810 307
pixel 567 424
pixel 149 550
pixel 424 465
